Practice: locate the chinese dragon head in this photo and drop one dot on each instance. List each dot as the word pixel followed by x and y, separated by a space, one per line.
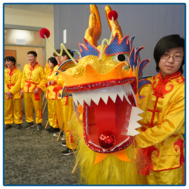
pixel 105 84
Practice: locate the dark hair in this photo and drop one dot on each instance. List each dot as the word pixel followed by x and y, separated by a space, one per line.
pixel 32 52
pixel 53 61
pixel 10 58
pixel 166 43
pixel 64 53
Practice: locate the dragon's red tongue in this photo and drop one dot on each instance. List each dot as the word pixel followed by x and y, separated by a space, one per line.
pixel 106 125
pixel 105 115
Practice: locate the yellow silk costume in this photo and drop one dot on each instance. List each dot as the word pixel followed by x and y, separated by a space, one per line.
pixel 69 127
pixel 161 140
pixel 51 97
pixel 64 111
pixel 59 80
pixel 47 70
pixel 12 83
pixel 58 102
pixel 33 77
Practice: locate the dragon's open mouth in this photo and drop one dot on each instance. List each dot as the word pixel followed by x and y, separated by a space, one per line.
pixel 107 114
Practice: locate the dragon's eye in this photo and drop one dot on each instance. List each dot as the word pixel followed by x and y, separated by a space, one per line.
pixel 122 58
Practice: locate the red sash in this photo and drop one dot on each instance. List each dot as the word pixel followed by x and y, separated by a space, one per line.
pixel 37 97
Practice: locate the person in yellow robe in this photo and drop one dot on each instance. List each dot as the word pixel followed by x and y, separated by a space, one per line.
pixel 13 98
pixel 69 127
pixel 47 69
pixel 161 144
pixel 51 97
pixel 58 84
pixel 33 81
pixel 64 107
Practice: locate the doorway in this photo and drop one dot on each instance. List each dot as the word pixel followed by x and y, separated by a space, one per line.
pixel 18 40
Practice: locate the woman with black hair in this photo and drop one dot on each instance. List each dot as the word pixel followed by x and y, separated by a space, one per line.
pixel 161 139
pixel 13 98
pixel 51 96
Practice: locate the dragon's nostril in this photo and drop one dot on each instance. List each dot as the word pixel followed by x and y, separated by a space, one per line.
pixel 106 140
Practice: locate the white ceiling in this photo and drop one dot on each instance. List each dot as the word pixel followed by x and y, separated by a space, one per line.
pixel 47 8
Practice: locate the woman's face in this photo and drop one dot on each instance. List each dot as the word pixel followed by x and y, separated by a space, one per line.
pixel 171 61
pixel 51 65
pixel 58 58
pixel 9 64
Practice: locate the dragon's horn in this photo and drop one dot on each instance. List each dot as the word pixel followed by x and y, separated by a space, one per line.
pixel 117 28
pixel 93 32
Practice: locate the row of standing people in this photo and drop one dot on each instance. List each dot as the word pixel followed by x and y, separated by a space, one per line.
pixel 29 85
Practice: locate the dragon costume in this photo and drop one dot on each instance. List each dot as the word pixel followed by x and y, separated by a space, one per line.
pixel 104 84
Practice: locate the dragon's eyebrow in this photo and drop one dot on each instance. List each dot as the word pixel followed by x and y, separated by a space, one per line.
pixel 88 49
pixel 118 46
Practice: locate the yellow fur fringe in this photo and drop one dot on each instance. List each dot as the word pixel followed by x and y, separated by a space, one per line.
pixel 110 171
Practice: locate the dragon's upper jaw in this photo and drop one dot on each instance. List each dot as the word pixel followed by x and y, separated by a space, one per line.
pixel 91 77
pixel 104 93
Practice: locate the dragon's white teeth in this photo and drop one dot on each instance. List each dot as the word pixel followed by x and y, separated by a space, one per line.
pixel 111 92
pixel 134 117
pixel 80 97
pixel 136 125
pixel 132 131
pixel 127 99
pixel 104 94
pixel 132 92
pixel 113 97
pixel 134 114
pixel 75 98
pixel 127 88
pixel 128 91
pixel 96 99
pixel 105 99
pixel 121 94
pixel 137 110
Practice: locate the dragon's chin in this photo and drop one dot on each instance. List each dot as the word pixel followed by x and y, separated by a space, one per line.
pixel 108 117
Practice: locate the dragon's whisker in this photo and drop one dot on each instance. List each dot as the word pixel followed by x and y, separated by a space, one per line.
pixel 102 45
pixel 62 46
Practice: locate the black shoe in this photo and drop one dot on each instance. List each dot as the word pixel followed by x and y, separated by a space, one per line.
pixel 67 152
pixel 53 130
pixel 64 143
pixel 29 125
pixel 48 127
pixel 8 126
pixel 18 126
pixel 39 127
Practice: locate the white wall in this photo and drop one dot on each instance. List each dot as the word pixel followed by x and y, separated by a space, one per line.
pixel 34 19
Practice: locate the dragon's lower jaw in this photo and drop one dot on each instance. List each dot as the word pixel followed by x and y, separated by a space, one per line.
pixel 108 117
